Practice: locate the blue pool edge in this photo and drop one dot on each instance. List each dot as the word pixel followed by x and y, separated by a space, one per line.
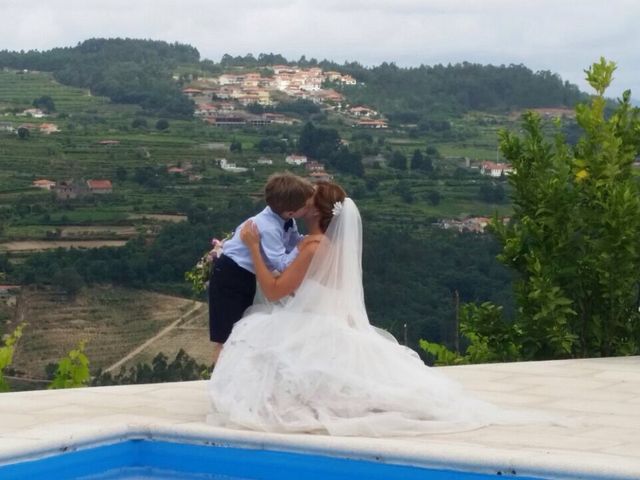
pixel 543 464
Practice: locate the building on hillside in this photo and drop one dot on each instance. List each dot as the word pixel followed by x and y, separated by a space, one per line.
pixel 361 111
pixel 48 128
pixel 226 120
pixel 231 167
pixel 372 124
pixel 470 224
pixel 495 170
pixel 264 161
pixel 313 166
pixel 296 159
pixel 109 142
pixel 332 76
pixel 319 177
pixel 192 92
pixel 100 187
pixel 175 170
pixel 348 80
pixel 279 118
pixel 44 184
pixel 33 112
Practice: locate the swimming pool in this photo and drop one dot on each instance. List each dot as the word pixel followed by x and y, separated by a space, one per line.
pixel 162 460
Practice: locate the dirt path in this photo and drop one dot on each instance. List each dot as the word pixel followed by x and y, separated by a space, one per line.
pixel 156 337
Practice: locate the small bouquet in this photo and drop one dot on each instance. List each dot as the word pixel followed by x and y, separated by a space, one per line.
pixel 199 275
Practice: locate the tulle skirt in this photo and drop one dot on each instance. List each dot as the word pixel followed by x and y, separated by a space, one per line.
pixel 287 371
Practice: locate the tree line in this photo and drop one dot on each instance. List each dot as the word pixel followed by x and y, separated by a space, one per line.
pixel 125 70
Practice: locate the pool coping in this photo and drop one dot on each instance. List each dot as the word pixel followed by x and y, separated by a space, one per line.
pixel 436 456
pixel 67 427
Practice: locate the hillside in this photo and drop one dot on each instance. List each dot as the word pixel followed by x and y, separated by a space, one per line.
pixel 113 322
pixel 414 179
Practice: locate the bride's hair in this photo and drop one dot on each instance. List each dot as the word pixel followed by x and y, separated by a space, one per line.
pixel 327 194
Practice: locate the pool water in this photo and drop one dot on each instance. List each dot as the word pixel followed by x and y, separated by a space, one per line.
pixel 158 460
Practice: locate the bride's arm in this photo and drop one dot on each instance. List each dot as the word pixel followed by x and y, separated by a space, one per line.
pixel 274 288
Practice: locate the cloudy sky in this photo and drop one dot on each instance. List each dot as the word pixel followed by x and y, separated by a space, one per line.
pixel 564 36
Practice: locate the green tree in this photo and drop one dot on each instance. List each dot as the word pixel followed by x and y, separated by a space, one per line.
pixel 6 354
pixel 69 280
pixel 398 160
pixel 139 123
pixel 573 237
pixel 45 103
pixel 235 146
pixel 23 133
pixel 162 124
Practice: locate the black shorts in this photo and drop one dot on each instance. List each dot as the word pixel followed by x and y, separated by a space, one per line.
pixel 231 292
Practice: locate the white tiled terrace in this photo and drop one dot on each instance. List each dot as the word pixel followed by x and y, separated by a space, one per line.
pixel 600 397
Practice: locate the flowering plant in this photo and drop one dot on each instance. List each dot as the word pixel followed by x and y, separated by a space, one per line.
pixel 201 271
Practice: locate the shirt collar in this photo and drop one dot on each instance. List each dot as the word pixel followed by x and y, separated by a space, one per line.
pixel 275 215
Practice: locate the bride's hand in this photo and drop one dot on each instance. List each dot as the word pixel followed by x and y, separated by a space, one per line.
pixel 250 234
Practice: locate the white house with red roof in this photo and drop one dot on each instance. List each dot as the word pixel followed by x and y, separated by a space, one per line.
pixel 495 170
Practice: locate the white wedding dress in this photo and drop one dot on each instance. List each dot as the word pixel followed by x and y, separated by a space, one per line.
pixel 315 364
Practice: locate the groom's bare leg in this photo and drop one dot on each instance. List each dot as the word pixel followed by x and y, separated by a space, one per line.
pixel 217 348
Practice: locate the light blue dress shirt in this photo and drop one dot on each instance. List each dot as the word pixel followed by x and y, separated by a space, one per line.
pixel 279 248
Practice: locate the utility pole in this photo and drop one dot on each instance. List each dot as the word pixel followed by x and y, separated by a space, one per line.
pixel 456 325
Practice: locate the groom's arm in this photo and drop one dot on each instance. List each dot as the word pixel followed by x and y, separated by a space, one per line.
pixel 274 250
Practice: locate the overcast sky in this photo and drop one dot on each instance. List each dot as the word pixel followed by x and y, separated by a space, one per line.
pixel 564 36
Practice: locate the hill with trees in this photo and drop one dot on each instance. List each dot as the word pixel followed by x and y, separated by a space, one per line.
pixel 125 70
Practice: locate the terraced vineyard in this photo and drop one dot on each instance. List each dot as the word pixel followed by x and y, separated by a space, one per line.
pixel 113 321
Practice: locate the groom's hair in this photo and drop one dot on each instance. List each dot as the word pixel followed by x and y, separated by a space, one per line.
pixel 286 192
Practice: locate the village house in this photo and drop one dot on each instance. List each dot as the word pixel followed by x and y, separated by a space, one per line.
pixel 264 161
pixel 279 118
pixel 319 177
pixel 44 184
pixel 372 124
pixel 313 166
pixel 100 187
pixel 48 128
pixel 34 112
pixel 295 159
pixel 332 76
pixel 469 224
pixel 360 111
pixel 230 79
pixel 192 92
pixel 231 167
pixel 495 170
pixel 175 170
pixel 348 80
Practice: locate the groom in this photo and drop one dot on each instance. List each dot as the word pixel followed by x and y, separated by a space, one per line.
pixel 233 282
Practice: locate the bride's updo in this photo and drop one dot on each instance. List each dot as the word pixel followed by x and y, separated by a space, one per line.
pixel 327 194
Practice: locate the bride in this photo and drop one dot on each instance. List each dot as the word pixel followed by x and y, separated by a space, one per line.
pixel 314 363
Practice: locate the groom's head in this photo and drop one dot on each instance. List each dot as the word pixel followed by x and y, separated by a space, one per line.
pixel 287 194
